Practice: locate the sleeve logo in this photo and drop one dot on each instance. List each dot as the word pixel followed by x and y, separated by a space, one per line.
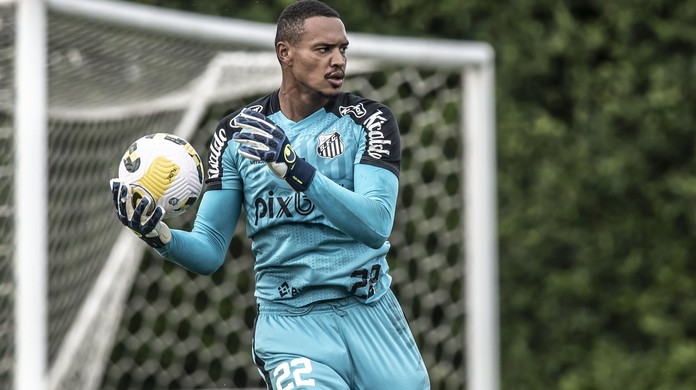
pixel 377 145
pixel 357 110
pixel 217 146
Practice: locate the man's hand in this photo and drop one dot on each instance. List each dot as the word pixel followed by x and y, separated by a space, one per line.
pixel 140 216
pixel 264 141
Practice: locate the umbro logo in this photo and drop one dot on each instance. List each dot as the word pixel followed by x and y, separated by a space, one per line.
pixel 285 289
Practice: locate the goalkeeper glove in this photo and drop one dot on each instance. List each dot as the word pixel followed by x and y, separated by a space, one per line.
pixel 264 141
pixel 138 215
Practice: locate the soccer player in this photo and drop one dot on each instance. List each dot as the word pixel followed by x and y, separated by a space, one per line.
pixel 316 170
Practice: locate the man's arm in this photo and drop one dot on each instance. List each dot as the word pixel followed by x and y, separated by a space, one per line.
pixel 202 250
pixel 367 213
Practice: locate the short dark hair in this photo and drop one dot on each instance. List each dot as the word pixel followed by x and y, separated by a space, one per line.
pixel 290 24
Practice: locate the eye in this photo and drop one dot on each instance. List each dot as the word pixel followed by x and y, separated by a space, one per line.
pixel 344 49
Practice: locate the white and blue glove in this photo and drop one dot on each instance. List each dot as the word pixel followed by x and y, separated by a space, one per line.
pixel 264 141
pixel 139 216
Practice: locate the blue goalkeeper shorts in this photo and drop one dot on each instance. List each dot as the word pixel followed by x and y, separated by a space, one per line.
pixel 336 345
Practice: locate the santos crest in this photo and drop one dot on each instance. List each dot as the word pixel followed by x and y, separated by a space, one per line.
pixel 330 145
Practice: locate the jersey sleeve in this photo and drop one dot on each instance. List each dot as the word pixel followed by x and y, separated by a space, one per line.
pixel 221 172
pixel 366 214
pixel 382 146
pixel 202 250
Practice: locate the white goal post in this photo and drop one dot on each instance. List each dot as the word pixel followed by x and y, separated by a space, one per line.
pixel 37 366
pixel 31 224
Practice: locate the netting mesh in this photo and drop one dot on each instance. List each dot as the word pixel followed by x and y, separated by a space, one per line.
pixel 109 85
pixel 94 70
pixel 7 296
pixel 113 66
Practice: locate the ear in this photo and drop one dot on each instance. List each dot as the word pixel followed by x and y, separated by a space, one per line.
pixel 284 53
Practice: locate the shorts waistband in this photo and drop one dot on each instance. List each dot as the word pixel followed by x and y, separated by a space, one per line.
pixel 335 305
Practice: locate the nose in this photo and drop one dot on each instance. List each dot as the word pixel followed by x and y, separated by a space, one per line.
pixel 338 59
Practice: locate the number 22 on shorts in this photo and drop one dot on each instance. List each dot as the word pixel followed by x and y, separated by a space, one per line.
pixel 298 369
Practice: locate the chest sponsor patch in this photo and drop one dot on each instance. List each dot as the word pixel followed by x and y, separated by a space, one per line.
pixel 330 145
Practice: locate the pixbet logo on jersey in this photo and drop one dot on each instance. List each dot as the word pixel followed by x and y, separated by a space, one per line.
pixel 274 207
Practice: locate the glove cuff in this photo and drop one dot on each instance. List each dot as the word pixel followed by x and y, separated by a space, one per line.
pixel 159 236
pixel 300 174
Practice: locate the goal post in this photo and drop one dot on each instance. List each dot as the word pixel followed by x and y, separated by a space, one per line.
pixel 30 196
pixel 118 317
pixel 480 236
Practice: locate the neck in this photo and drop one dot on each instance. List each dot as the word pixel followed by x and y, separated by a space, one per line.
pixel 297 106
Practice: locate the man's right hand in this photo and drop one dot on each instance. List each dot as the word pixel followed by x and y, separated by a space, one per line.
pixel 142 218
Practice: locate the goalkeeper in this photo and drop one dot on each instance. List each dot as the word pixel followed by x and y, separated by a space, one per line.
pixel 316 170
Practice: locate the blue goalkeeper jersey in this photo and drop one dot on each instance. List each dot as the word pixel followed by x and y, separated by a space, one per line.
pixel 301 257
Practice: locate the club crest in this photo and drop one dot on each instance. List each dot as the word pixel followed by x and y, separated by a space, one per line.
pixel 330 145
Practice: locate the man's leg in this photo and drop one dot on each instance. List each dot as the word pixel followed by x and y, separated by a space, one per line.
pixel 301 351
pixel 382 347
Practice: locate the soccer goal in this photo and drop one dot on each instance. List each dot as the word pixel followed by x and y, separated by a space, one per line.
pixel 85 306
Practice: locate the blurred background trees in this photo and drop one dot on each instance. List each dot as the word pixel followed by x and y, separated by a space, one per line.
pixel 595 116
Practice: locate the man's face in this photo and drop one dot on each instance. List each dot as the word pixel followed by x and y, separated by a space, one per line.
pixel 319 57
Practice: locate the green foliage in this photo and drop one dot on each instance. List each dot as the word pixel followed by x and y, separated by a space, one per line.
pixel 596 161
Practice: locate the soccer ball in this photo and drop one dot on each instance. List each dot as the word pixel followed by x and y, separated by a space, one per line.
pixel 165 168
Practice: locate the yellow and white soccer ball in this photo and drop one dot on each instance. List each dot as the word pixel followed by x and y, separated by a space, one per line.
pixel 165 168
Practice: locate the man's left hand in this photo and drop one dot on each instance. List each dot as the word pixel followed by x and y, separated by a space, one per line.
pixel 264 141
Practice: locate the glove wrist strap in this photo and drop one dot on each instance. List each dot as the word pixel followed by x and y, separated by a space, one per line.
pixel 300 175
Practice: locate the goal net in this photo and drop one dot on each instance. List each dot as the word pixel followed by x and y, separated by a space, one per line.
pixel 121 318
